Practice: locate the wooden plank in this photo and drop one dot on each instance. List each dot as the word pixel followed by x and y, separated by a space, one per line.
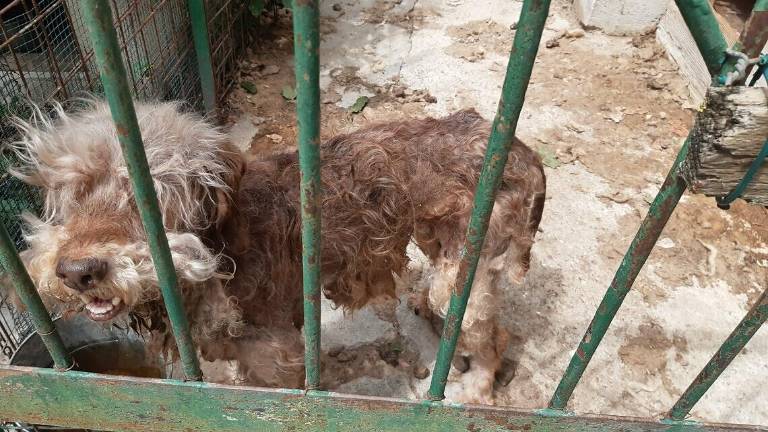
pixel 101 402
pixel 728 134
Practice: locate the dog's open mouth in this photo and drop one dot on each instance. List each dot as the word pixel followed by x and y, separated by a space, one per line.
pixel 99 309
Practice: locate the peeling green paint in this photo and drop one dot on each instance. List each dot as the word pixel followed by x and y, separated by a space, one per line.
pixel 306 25
pixel 28 295
pixel 752 40
pixel 98 19
pixel 700 19
pixel 100 402
pixel 199 24
pixel 521 60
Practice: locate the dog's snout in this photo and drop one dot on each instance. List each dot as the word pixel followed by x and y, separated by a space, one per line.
pixel 81 274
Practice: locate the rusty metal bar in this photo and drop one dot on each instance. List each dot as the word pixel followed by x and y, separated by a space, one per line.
pixel 79 400
pixel 743 332
pixel 521 59
pixel 26 291
pixel 203 51
pixel 751 42
pixel 306 31
pixel 700 19
pixel 98 18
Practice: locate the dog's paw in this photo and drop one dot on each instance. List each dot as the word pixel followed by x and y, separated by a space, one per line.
pixel 461 363
pixel 506 372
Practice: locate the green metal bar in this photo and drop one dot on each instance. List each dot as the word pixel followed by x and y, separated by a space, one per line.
pixel 521 60
pixel 752 40
pixel 306 39
pixel 755 33
pixel 199 24
pixel 700 19
pixel 658 214
pixel 98 19
pixel 26 291
pixel 80 400
pixel 722 358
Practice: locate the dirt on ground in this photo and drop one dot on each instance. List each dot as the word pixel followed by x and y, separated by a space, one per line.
pixel 608 115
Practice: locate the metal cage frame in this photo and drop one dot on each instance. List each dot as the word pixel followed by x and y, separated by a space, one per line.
pixel 46 56
pixel 60 396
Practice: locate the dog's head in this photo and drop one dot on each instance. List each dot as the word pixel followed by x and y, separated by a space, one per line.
pixel 89 251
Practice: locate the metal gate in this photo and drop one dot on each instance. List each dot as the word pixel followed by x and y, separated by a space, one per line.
pixel 75 399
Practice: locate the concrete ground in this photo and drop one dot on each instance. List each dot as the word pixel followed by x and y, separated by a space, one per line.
pixel 608 114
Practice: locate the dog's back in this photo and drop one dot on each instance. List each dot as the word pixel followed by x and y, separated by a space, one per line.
pixel 383 185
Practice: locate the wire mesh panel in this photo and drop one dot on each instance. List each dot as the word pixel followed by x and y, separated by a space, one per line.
pixel 46 56
pixel 228 34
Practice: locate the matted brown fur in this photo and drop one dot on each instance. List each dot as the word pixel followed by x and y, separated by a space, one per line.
pixel 234 228
pixel 384 185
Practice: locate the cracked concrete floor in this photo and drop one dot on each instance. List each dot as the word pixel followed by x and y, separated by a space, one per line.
pixel 608 114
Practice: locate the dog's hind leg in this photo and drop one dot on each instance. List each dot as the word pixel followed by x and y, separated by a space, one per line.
pixel 272 358
pixel 482 340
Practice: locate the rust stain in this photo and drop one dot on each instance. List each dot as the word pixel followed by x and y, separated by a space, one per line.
pixel 580 353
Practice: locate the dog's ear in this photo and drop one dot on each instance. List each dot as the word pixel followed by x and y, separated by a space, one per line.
pixel 229 225
pixel 235 160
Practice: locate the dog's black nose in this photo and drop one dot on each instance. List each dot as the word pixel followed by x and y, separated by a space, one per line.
pixel 81 274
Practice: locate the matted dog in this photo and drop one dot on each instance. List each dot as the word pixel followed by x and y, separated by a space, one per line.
pixel 234 230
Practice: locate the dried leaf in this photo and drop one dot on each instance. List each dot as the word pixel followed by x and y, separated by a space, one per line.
pixel 289 93
pixel 248 87
pixel 548 158
pixel 359 104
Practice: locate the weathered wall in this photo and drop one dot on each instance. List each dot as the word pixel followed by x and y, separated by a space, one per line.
pixel 622 17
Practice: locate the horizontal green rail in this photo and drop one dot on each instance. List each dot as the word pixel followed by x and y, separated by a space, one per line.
pixel 306 31
pixel 522 57
pixel 28 295
pixel 701 20
pixel 98 19
pixel 109 403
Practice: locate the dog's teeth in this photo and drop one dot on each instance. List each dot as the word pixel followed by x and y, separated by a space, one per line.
pixel 116 300
pixel 99 309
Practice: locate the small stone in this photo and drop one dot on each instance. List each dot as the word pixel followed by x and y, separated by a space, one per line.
pixel 616 117
pixel 336 7
pixel 420 372
pixel 646 54
pixel 346 356
pixel 555 41
pixel 336 350
pixel 513 26
pixel 428 98
pixel 275 138
pixel 655 84
pixel 576 127
pixel 270 70
pixel 398 91
pixel 662 115
pixel 575 33
pixel 666 243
